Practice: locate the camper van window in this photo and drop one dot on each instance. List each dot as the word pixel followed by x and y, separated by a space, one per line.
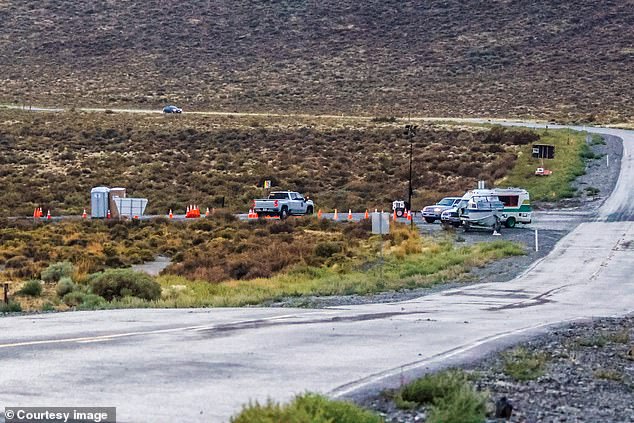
pixel 509 200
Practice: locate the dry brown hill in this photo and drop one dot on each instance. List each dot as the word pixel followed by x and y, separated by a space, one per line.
pixel 564 60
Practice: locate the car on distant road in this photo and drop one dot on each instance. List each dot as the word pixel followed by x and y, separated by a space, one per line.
pixel 433 213
pixel 172 109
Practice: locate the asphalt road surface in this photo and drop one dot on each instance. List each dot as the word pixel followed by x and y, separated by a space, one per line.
pixel 201 365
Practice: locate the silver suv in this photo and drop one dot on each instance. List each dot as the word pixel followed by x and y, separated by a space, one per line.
pixel 433 213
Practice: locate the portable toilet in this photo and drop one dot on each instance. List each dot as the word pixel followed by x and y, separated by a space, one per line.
pixel 115 193
pixel 99 202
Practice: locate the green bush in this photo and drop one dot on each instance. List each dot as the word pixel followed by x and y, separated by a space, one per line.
pixel 328 249
pixel 306 408
pixel 84 301
pixel 464 406
pixel 74 298
pixel 12 307
pixel 522 364
pixel 118 283
pixel 56 271
pixel 434 386
pixel 92 302
pixel 64 286
pixel 47 306
pixel 32 288
pixel 452 397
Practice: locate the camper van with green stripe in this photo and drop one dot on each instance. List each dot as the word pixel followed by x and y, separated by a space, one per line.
pixel 517 206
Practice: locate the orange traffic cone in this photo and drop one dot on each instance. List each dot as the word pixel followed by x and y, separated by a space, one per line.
pixel 48 214
pixel 349 214
pixel 36 213
pixel 394 216
pixel 367 215
pixel 336 216
pixel 319 214
pixel 409 215
pixel 84 214
pixel 207 212
pixel 170 214
pixel 41 212
pixel 108 216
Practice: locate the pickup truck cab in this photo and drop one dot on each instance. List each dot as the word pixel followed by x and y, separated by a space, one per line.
pixel 283 204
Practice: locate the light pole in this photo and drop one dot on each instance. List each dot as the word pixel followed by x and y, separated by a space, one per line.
pixel 410 131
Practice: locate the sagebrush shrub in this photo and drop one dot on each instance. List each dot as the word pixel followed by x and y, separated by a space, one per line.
pixel 118 283
pixel 32 288
pixel 64 286
pixel 56 271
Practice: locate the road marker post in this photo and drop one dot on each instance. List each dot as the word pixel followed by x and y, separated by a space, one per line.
pixel 6 293
pixel 536 241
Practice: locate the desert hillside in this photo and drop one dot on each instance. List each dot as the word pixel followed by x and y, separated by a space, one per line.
pixel 565 60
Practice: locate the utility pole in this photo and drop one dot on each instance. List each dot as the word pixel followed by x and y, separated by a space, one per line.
pixel 410 131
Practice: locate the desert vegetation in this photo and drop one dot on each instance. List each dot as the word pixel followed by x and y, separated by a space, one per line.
pixel 566 60
pixel 306 408
pixel 220 261
pixel 52 160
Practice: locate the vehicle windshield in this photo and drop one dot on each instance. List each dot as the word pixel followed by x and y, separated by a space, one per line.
pixel 462 204
pixel 445 202
pixel 278 196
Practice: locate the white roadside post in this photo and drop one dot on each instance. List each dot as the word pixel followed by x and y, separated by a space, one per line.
pixel 536 241
pixel 607 160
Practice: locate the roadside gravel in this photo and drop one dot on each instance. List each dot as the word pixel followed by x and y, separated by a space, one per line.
pixel 589 377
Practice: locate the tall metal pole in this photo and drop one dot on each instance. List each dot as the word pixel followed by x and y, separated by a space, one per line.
pixel 410 174
pixel 410 131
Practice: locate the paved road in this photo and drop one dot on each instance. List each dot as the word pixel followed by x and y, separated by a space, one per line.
pixel 202 365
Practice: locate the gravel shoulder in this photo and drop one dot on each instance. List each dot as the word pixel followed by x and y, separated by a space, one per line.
pixel 552 221
pixel 588 377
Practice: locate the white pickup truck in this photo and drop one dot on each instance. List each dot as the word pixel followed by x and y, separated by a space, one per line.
pixel 283 204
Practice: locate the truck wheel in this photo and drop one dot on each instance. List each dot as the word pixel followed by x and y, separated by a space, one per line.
pixel 309 210
pixel 399 212
pixel 467 226
pixel 284 213
pixel 510 222
pixel 430 220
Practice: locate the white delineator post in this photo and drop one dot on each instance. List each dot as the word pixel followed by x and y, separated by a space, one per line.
pixel 536 241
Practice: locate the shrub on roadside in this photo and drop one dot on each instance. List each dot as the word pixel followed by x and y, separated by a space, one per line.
pixel 306 408
pixel 83 301
pixel 32 288
pixel 522 364
pixel 12 307
pixel 328 248
pixel 56 271
pixel 64 286
pixel 452 397
pixel 118 283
